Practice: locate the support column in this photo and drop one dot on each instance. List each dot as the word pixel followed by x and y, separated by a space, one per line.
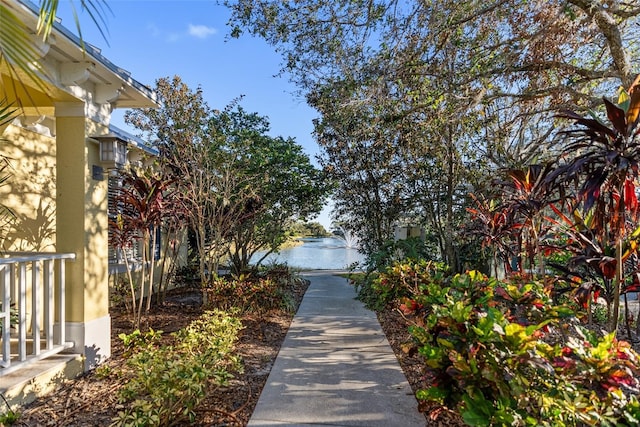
pixel 82 228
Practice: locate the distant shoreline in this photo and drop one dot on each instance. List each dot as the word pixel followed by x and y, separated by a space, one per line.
pixel 292 243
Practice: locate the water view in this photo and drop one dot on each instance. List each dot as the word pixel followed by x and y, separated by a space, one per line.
pixel 327 253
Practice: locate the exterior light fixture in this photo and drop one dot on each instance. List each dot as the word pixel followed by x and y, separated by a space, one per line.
pixel 113 150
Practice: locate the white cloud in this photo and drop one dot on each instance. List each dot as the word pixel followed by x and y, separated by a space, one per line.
pixel 201 31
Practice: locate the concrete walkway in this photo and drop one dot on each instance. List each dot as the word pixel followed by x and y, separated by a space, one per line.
pixel 335 367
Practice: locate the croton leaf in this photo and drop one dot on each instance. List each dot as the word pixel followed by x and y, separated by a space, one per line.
pixel 608 267
pixel 591 124
pixel 618 378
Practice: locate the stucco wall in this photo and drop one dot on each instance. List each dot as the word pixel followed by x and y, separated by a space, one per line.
pixel 29 190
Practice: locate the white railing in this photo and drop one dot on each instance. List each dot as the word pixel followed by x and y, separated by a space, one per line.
pixel 32 307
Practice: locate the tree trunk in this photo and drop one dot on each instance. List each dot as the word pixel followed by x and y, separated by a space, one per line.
pixel 136 320
pixel 152 261
pixel 616 286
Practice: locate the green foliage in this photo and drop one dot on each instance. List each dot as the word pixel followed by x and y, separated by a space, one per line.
pixel 137 340
pixel 104 371
pixel 397 250
pixel 14 316
pixel 166 383
pixel 9 419
pixel 238 186
pixel 186 275
pixel 307 229
pixel 498 352
pixel 396 142
pixel 398 281
pixel 259 293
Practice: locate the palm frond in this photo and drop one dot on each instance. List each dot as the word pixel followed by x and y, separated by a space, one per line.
pixel 96 9
pixel 7 112
pixel 17 49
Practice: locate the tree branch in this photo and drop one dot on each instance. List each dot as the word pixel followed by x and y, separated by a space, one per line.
pixel 611 31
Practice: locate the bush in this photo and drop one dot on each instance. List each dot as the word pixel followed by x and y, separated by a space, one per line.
pixel 255 294
pixel 397 282
pixel 504 355
pixel 166 383
pixel 399 250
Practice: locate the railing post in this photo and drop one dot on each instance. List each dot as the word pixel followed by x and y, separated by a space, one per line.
pixel 6 314
pixel 47 274
pixel 22 310
pixel 35 307
pixel 61 300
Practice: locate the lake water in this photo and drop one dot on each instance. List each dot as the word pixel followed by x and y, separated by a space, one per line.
pixel 326 253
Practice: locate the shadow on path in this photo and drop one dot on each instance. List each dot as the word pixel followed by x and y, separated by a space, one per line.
pixel 335 367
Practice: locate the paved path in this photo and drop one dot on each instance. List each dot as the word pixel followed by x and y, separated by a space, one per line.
pixel 335 367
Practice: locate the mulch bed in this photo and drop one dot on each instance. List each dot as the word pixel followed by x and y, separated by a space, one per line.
pixel 91 400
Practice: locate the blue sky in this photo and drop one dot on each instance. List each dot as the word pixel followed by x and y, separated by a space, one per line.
pixel 189 38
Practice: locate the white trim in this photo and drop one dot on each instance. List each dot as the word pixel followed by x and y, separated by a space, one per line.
pixel 91 339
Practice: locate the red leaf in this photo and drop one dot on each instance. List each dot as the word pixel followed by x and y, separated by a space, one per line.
pixel 617 378
pixel 634 106
pixel 617 116
pixel 630 198
pixel 608 267
pixel 502 293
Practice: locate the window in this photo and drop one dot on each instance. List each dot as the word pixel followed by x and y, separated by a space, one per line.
pixel 133 253
pixel 116 255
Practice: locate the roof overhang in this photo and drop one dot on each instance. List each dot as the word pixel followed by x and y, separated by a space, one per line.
pixel 73 70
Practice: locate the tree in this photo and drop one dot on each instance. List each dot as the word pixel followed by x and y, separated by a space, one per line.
pixel 193 150
pixel 239 186
pixel 604 159
pixel 462 78
pixel 362 163
pixel 282 177
pixel 141 204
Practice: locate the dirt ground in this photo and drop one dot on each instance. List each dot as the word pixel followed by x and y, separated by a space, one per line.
pixel 91 400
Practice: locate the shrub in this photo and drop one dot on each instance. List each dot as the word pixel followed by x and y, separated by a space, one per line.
pixel 398 250
pixel 500 353
pixel 256 294
pixel 397 282
pixel 9 419
pixel 166 383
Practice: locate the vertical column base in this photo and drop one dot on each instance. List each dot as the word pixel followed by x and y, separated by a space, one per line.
pixel 91 339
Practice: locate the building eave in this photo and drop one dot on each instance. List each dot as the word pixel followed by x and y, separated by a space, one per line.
pixel 65 51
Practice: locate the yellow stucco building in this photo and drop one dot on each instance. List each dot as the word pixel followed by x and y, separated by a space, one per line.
pixel 57 191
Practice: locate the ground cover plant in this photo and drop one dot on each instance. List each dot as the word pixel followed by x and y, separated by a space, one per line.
pixel 505 353
pixel 165 383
